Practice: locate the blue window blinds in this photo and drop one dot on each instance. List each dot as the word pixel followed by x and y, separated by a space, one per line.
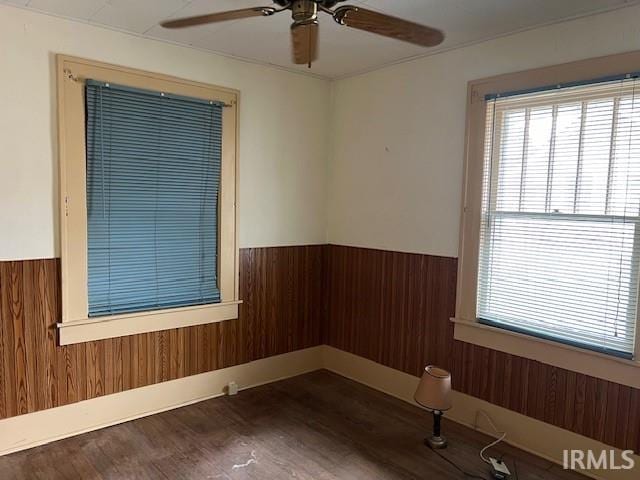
pixel 153 178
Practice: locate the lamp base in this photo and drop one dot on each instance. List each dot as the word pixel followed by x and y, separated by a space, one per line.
pixel 436 442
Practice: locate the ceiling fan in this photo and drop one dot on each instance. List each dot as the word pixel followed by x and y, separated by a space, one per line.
pixel 304 29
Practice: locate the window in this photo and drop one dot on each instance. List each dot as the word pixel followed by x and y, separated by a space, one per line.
pixel 559 229
pixel 148 186
pixel 153 176
pixel 548 255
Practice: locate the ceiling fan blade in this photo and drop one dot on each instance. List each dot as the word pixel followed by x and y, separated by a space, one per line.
pixel 304 42
pixel 219 17
pixel 375 22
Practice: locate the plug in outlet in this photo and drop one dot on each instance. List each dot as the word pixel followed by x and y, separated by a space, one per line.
pixel 232 388
pixel 499 470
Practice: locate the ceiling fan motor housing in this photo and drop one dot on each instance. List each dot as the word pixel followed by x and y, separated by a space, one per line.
pixel 324 3
pixel 304 10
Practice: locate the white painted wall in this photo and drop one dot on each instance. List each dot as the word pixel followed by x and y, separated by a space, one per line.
pixel 395 166
pixel 283 131
pixel 395 171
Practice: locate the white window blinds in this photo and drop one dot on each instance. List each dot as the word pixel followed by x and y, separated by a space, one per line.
pixel 561 197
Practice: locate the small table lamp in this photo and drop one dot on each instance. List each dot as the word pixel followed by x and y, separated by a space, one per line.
pixel 434 393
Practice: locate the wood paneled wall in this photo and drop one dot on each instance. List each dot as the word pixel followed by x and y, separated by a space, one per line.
pixel 390 307
pixel 283 294
pixel 394 308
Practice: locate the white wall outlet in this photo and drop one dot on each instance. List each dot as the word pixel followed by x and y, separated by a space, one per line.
pixel 232 388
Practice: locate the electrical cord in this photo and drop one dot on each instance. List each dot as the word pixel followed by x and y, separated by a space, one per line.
pixel 502 434
pixel 460 469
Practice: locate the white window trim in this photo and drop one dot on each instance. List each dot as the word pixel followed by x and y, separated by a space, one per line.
pixel 466 325
pixel 76 326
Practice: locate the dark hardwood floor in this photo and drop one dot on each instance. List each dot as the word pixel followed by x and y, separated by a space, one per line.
pixel 315 426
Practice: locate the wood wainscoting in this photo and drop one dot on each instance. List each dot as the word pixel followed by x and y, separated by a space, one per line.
pixel 394 308
pixel 283 294
pixel 389 307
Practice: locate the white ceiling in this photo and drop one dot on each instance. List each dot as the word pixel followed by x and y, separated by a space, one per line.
pixel 343 51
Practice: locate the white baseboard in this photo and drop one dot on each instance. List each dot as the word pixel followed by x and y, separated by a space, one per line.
pixel 534 436
pixel 529 434
pixel 33 429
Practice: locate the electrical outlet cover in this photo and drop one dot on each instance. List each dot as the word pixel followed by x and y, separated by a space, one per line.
pixel 232 388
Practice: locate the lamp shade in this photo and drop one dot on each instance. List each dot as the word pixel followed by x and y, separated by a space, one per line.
pixel 434 389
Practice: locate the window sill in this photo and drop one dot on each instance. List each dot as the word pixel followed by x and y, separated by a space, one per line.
pixel 618 370
pixel 86 330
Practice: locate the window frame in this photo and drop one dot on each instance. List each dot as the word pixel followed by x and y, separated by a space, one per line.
pixel 76 326
pixel 467 328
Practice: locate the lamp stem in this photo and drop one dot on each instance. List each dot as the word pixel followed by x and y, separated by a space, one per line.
pixel 436 440
pixel 437 417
